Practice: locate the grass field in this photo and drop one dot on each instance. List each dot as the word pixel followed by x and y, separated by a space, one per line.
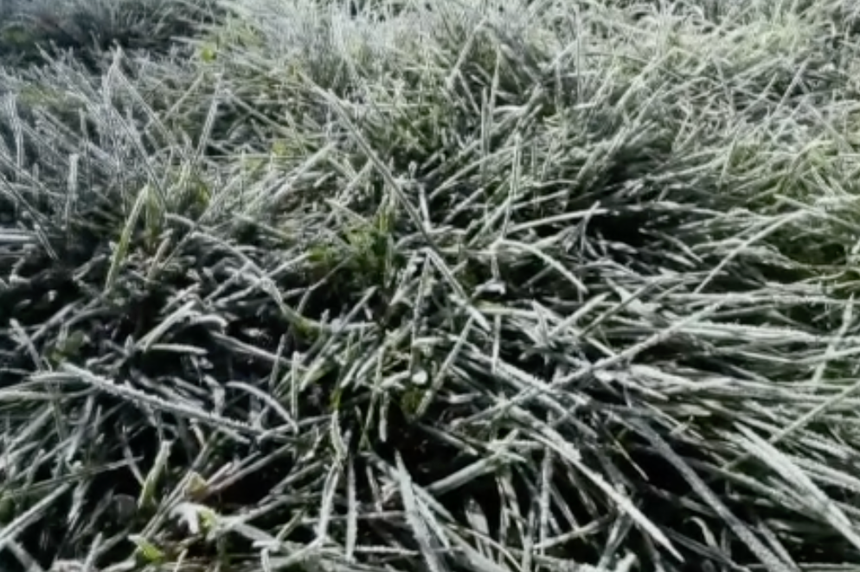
pixel 461 286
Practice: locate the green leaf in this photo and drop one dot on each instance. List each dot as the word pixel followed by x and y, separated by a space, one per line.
pixel 146 550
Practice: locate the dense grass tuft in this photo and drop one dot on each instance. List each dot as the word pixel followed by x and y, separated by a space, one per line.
pixel 35 31
pixel 466 285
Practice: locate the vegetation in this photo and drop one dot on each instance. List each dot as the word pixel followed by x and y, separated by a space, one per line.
pixel 468 285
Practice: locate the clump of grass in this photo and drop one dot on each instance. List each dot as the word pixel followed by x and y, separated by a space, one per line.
pixel 472 286
pixel 36 31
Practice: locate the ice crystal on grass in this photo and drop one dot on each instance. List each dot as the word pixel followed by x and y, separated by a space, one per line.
pixel 468 286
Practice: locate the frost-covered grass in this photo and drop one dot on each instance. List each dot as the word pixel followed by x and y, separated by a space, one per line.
pixel 466 286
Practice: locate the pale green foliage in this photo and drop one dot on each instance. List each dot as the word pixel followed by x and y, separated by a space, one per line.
pixel 469 285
